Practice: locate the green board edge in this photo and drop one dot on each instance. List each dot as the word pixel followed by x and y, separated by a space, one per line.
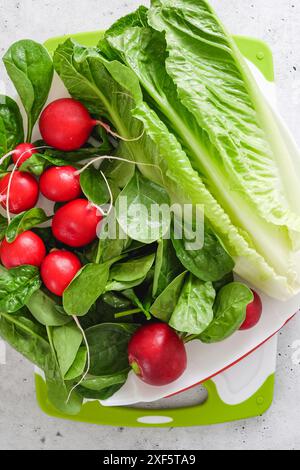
pixel 255 50
pixel 214 410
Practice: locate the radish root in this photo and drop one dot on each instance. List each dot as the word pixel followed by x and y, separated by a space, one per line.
pixel 88 357
pixel 108 129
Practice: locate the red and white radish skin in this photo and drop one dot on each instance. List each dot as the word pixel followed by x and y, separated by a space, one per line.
pixel 58 270
pixel 19 192
pixel 60 184
pixel 253 313
pixel 157 354
pixel 22 153
pixel 66 124
pixel 75 224
pixel 27 249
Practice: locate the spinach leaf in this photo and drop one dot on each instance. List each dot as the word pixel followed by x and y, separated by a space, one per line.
pixel 118 171
pixel 31 340
pixel 194 310
pixel 16 287
pixel 209 263
pixel 230 312
pixel 58 389
pixel 132 270
pixel 108 345
pixel 143 210
pixel 227 279
pixel 119 286
pixel 130 294
pixel 46 311
pixel 3 226
pixel 25 221
pixel 66 341
pixel 94 187
pixel 113 241
pixel 78 366
pixel 166 302
pixel 85 289
pixel 40 161
pixel 11 127
pixel 30 68
pixel 101 394
pixel 97 384
pixel 116 301
pixel 167 267
pixel 84 153
pixel 58 394
pixel 102 312
pixel 26 338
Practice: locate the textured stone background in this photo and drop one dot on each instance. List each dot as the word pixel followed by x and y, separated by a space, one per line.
pixel 22 425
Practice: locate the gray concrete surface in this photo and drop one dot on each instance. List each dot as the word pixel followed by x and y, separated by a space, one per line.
pixel 22 425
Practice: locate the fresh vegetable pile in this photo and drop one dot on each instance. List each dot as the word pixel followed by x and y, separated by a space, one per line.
pixel 163 111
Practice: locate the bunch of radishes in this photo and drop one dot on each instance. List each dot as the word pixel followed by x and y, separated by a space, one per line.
pixel 65 125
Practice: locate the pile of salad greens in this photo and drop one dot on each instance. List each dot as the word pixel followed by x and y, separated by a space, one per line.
pixel 195 130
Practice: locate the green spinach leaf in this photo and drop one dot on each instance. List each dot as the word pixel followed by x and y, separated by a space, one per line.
pixel 116 301
pixel 40 161
pixel 58 394
pixel 78 366
pixel 27 338
pixel 58 389
pixel 167 267
pixel 230 312
pixel 16 287
pixel 113 241
pixel 194 310
pixel 132 270
pixel 119 286
pixel 11 127
pixel 94 187
pixel 3 227
pixel 118 171
pixel 97 384
pixel 85 289
pixel 166 302
pixel 130 294
pixel 143 210
pixel 211 262
pixel 67 341
pixel 46 310
pixel 227 279
pixel 108 345
pixel 30 68
pixel 101 394
pixel 25 221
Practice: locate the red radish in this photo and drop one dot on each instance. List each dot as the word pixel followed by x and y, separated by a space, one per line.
pixel 58 270
pixel 157 354
pixel 253 313
pixel 23 192
pixel 22 153
pixel 60 184
pixel 27 249
pixel 75 224
pixel 65 124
